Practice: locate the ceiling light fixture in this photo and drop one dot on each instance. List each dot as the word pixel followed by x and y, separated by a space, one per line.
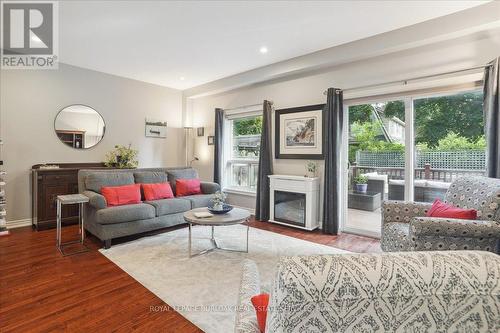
pixel 263 50
pixel 182 78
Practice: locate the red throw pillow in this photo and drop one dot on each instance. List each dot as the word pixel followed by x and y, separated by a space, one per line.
pixel 122 195
pixel 157 191
pixel 187 187
pixel 440 209
pixel 260 303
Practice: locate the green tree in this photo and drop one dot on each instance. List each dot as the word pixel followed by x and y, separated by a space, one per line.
pixel 436 117
pixel 247 126
pixel 366 136
pixel 360 113
pixel 454 141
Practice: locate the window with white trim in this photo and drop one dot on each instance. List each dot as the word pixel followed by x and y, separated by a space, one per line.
pixel 242 152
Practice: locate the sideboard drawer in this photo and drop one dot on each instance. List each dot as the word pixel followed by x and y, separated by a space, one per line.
pixel 63 177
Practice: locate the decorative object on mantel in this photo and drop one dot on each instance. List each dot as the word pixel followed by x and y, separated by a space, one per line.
pixel 299 132
pixel 122 158
pixel 79 126
pixel 200 131
pixel 294 201
pixel 361 183
pixel 311 168
pixel 211 140
pixel 3 203
pixel 156 128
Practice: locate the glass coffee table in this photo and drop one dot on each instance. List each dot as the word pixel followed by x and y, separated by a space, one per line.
pixel 235 216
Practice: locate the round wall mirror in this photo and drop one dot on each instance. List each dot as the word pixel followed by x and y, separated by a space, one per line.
pixel 79 126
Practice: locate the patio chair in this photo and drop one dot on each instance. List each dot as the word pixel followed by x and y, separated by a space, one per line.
pixel 405 226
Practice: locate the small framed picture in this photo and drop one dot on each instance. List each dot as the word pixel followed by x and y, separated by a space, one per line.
pixel 200 131
pixel 211 140
pixel 156 128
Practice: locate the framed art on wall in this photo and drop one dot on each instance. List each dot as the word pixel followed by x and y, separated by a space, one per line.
pixel 155 128
pixel 299 132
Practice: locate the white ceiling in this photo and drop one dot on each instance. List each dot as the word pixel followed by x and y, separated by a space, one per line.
pixel 161 41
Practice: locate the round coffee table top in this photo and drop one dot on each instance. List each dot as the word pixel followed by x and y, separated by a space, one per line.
pixel 235 216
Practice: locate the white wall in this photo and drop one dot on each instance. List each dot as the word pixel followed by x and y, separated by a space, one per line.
pixel 463 52
pixel 31 99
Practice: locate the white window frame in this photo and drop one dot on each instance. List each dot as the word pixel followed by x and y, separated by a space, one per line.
pixel 235 114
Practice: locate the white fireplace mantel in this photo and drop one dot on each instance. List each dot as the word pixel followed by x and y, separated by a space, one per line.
pixel 300 212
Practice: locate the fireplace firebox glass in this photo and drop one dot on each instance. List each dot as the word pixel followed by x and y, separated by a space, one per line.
pixel 290 207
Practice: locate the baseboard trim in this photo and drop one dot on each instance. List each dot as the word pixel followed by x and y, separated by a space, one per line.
pixel 18 223
pixel 251 210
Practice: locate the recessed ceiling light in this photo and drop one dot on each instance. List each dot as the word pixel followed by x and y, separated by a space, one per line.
pixel 36 39
pixel 182 78
pixel 263 49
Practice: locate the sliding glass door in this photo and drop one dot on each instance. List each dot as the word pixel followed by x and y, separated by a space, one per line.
pixel 449 141
pixel 410 148
pixel 376 148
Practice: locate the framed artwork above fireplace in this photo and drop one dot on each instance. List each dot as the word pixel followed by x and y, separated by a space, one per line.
pixel 299 132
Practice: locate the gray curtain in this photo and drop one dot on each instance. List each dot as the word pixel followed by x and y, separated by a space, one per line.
pixel 492 118
pixel 333 121
pixel 265 164
pixel 219 130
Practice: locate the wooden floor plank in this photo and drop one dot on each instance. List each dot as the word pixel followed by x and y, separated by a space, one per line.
pixel 42 291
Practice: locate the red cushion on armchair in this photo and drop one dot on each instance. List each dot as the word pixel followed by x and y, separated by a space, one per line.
pixel 187 187
pixel 441 209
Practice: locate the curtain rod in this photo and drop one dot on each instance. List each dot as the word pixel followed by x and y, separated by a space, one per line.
pixel 247 106
pixel 405 82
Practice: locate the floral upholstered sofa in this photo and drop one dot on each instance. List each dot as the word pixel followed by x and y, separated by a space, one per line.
pixel 439 291
pixel 405 226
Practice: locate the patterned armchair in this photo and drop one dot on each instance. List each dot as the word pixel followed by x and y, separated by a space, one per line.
pixel 406 228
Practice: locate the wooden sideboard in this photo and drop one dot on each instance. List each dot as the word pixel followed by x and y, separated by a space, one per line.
pixel 47 184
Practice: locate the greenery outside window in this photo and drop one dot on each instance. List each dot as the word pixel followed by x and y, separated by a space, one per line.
pixel 243 158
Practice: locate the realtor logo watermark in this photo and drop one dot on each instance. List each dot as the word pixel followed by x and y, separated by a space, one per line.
pixel 29 37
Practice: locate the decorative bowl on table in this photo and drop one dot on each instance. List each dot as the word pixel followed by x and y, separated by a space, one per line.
pixel 225 209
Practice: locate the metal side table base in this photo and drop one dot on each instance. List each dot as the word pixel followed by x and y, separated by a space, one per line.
pixel 79 199
pixel 215 246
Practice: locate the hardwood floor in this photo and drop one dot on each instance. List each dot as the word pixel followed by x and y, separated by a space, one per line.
pixel 42 291
pixel 344 241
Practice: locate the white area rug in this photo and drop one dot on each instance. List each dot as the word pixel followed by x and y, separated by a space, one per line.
pixel 204 289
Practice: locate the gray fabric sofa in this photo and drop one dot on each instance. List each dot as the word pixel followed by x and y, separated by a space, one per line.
pixel 107 223
pixel 405 226
pixel 447 291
